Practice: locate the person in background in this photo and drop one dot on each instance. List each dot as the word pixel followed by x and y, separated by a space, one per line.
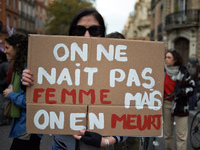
pixel 9 77
pixel 16 47
pixel 4 65
pixel 178 86
pixel 193 69
pixel 87 23
pixel 131 143
pixel 115 35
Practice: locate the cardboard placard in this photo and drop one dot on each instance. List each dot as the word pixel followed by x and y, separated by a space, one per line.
pixel 109 86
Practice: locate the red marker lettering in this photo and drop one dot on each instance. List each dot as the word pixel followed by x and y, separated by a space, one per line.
pixel 36 94
pixel 72 93
pixel 102 96
pixel 91 91
pixel 48 94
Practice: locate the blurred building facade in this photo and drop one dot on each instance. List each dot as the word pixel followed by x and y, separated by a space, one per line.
pixel 26 16
pixel 138 23
pixel 41 15
pixel 177 23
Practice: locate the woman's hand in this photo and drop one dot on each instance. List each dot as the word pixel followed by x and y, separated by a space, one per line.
pixel 27 78
pixel 6 91
pixel 95 139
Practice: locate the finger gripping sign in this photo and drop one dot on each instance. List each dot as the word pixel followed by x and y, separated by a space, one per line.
pixel 108 86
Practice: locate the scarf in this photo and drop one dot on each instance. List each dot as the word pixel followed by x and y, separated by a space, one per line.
pixel 16 81
pixel 172 71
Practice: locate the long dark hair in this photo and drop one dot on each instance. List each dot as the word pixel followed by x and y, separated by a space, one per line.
pixel 85 12
pixel 20 43
pixel 177 57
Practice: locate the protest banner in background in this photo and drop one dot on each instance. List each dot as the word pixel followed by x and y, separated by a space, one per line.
pixel 108 86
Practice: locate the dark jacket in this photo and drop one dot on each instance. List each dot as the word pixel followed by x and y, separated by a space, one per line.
pixel 184 88
pixel 3 70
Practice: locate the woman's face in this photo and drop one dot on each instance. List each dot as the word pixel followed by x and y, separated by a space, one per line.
pixel 88 21
pixel 169 59
pixel 10 52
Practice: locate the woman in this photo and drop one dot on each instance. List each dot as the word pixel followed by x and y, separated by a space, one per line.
pixel 178 86
pixel 88 23
pixel 16 47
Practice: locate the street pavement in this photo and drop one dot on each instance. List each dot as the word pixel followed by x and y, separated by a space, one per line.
pixel 46 141
pixel 6 142
pixel 189 147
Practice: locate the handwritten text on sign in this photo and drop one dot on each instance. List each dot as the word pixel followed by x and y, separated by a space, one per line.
pixel 71 87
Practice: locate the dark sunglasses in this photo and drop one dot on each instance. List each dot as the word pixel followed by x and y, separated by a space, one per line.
pixel 79 30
